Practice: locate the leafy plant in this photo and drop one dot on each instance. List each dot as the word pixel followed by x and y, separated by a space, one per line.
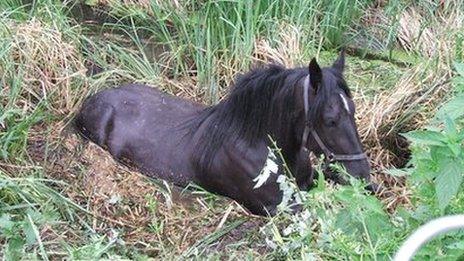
pixel 336 221
pixel 437 152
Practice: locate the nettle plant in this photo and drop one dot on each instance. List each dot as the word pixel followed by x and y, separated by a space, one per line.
pixel 336 222
pixel 437 158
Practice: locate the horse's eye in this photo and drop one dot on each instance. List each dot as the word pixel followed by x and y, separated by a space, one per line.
pixel 331 123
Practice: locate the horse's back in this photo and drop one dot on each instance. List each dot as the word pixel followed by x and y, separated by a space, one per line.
pixel 140 124
pixel 145 97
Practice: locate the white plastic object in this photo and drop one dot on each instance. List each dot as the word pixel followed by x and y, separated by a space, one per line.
pixel 427 232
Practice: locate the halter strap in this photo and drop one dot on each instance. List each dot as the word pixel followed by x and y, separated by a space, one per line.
pixel 330 156
pixel 306 109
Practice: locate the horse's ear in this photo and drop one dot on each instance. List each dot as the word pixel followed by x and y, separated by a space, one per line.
pixel 339 64
pixel 315 74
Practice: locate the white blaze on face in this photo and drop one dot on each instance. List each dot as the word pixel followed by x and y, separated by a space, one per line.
pixel 345 102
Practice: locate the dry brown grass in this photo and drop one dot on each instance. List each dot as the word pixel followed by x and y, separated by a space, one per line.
pixel 399 110
pixel 421 88
pixel 431 35
pixel 286 50
pixel 51 66
pixel 417 93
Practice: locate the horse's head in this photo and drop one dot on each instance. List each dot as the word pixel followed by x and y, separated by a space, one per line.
pixel 331 129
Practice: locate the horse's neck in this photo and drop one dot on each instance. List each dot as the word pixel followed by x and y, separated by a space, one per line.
pixel 290 156
pixel 283 136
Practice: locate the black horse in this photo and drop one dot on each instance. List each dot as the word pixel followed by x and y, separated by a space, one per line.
pixel 224 147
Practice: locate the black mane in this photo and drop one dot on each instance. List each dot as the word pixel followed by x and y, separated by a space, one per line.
pixel 261 102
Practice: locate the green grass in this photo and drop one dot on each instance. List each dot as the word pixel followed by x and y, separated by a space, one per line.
pixel 214 38
pixel 194 50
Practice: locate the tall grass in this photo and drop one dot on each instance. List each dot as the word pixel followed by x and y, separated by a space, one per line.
pixel 214 38
pixel 42 77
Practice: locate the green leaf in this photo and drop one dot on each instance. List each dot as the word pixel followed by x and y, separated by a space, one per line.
pixel 14 248
pixel 29 232
pixel 421 214
pixel 426 137
pixel 456 245
pixel 453 109
pixel 345 222
pixel 5 222
pixel 448 181
pixel 91 2
pixel 458 82
pixel 398 172
pixel 455 148
pixel 378 227
pixel 346 195
pixel 439 153
pixel 450 127
pixel 374 205
pixel 453 136
pixel 459 68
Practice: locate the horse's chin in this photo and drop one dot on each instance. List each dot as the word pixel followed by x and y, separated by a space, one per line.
pixel 363 174
pixel 335 177
pixel 371 187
